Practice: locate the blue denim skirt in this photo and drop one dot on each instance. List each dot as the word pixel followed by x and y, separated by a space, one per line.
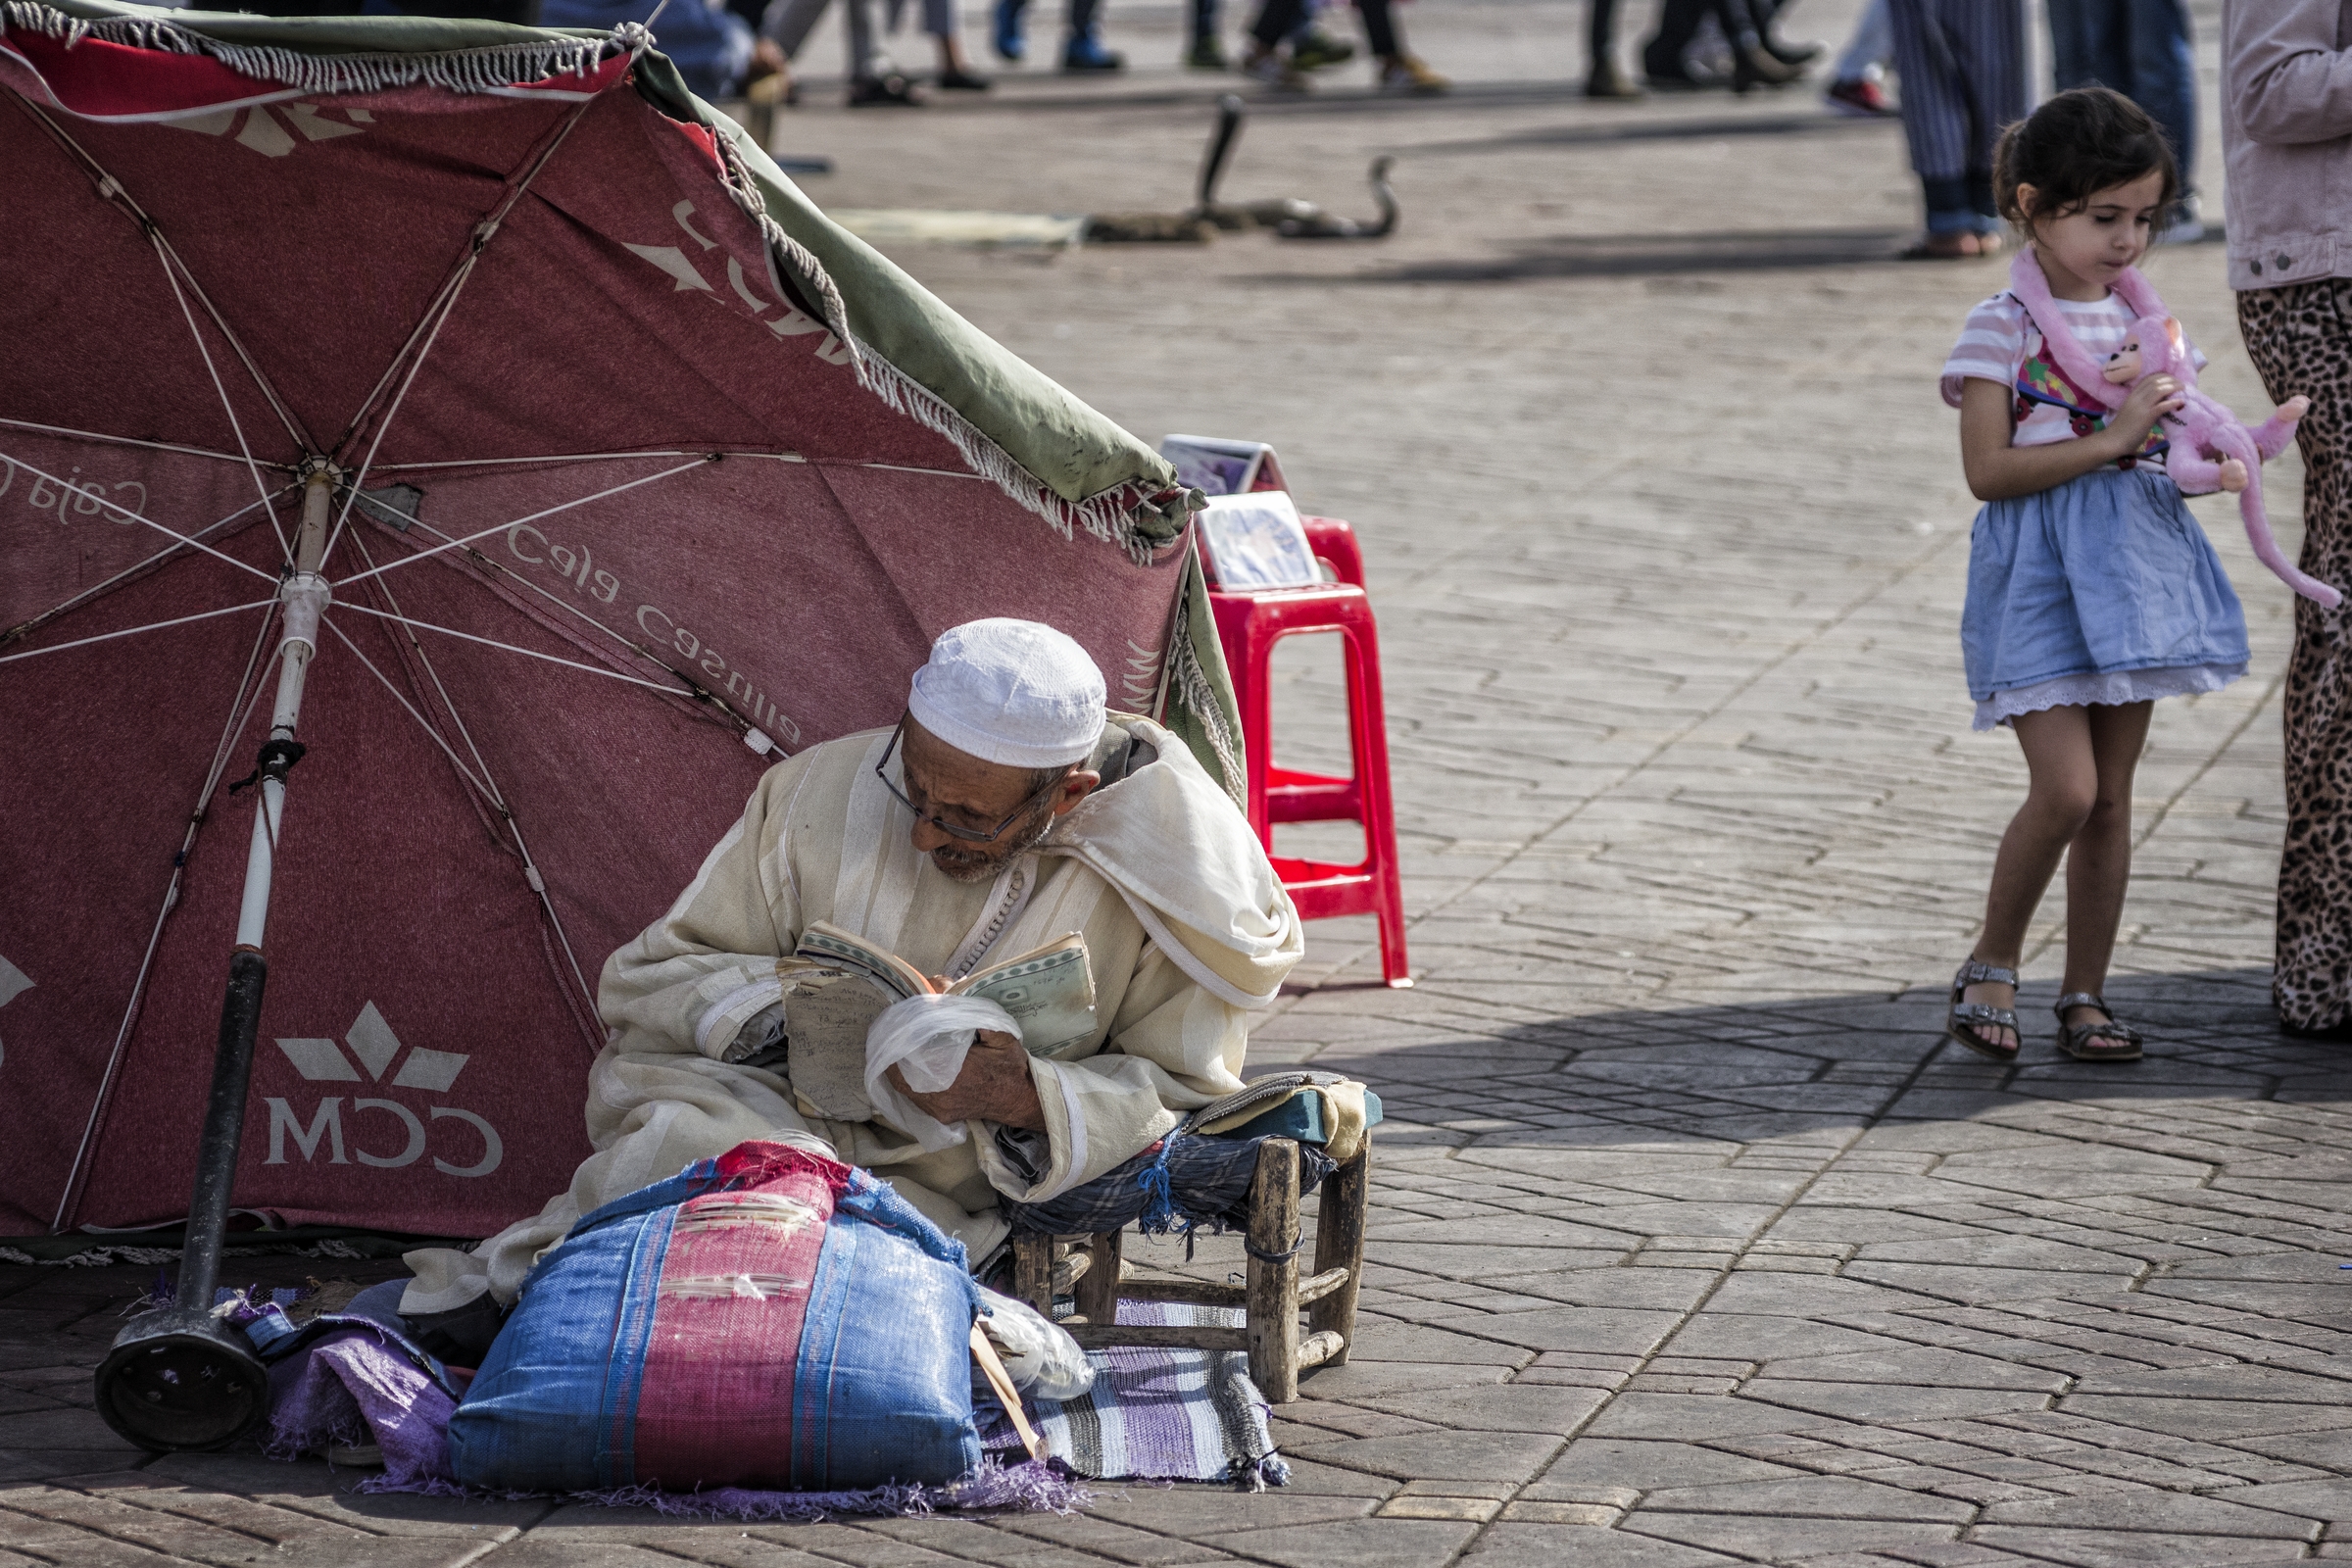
pixel 2105 573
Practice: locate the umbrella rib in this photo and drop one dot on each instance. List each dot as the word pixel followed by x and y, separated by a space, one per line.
pixel 486 791
pixel 530 867
pixel 138 986
pixel 438 313
pixel 110 190
pixel 134 441
pixel 25 627
pixel 133 631
pixel 492 642
pixel 447 304
pixel 502 527
pixel 185 539
pixel 583 457
pixel 168 257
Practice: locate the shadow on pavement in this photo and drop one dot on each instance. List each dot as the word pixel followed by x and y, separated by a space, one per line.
pixel 1809 1065
pixel 1721 127
pixel 1641 256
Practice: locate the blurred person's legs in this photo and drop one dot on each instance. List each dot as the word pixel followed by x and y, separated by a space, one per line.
pixel 1084 51
pixel 2300 340
pixel 1604 77
pixel 1964 77
pixel 1857 81
pixel 2144 50
pixel 1662 53
pixel 1205 50
pixel 1663 57
pixel 1313 46
pixel 946 27
pixel 785 25
pixel 1276 21
pixel 1763 21
pixel 875 83
pixel 1400 70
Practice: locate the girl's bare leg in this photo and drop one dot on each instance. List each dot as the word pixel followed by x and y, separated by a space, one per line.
pixel 2098 866
pixel 2063 764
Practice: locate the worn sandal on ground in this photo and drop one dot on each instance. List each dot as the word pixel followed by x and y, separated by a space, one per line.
pixel 1966 1016
pixel 2103 1041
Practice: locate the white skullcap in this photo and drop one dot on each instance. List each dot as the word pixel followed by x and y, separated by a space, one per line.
pixel 1012 691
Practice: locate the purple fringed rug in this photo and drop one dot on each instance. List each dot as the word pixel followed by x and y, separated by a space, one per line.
pixel 1157 1414
pixel 362 1384
pixel 1154 1414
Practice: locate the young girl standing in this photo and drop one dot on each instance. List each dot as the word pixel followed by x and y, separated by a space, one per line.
pixel 2092 591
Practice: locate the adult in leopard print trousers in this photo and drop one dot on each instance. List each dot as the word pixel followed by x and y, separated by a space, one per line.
pixel 2287 142
pixel 2300 338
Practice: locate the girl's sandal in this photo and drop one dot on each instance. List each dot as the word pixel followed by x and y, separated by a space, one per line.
pixel 1966 1016
pixel 2103 1041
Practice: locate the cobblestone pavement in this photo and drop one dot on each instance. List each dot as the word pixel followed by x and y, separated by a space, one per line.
pixel 1692 1245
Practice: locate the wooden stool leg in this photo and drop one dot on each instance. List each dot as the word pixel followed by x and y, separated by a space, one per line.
pixel 1099 1286
pixel 1033 1272
pixel 1274 1286
pixel 1340 1244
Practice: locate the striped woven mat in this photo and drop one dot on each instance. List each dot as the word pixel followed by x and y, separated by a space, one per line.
pixel 1157 1414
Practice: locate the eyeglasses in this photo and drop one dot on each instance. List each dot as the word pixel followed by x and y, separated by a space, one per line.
pixel 967 834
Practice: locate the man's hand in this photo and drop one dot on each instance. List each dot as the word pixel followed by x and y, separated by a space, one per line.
pixel 993 1086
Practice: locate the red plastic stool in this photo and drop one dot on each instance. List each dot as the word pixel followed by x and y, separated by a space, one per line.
pixel 1333 543
pixel 1249 624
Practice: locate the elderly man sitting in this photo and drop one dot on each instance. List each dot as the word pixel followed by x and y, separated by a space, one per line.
pixel 1006 810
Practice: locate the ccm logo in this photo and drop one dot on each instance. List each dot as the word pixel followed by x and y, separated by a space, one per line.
pixel 373 1043
pixel 326 1126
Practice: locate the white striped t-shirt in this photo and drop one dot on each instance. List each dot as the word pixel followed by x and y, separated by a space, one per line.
pixel 1999 343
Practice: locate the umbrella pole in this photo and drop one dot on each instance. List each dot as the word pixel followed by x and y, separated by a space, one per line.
pixel 178 1377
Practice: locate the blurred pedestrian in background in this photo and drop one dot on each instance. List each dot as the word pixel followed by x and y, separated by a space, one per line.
pixel 1757 56
pixel 1284 45
pixel 2287 142
pixel 709 44
pixel 874 81
pixel 1857 82
pixel 1082 50
pixel 1605 78
pixel 2141 49
pixel 1963 64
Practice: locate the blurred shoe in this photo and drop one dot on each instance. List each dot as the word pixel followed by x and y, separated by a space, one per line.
pixel 959 80
pixel 1609 80
pixel 1312 49
pixel 1006 33
pixel 891 91
pixel 1751 67
pixel 1860 97
pixel 1681 80
pixel 2187 226
pixel 1408 74
pixel 1206 54
pixel 1269 66
pixel 1086 57
pixel 1791 54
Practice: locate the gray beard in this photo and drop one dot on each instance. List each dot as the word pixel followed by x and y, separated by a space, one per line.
pixel 981 862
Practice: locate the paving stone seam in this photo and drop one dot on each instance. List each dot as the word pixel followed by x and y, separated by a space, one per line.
pixel 1682 1319
pixel 1795 647
pixel 102 1535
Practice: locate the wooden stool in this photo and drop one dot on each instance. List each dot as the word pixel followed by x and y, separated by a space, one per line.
pixel 1098 1278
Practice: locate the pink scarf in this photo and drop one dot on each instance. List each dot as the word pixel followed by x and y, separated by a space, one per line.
pixel 2033 289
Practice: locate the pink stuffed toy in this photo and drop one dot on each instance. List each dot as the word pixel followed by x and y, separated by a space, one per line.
pixel 2210 448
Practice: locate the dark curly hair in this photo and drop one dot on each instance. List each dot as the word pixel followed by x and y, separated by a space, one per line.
pixel 2083 140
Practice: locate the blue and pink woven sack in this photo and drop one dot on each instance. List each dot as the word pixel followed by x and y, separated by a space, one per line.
pixel 769 1319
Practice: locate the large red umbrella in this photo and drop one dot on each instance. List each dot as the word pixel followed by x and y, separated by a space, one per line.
pixel 461 430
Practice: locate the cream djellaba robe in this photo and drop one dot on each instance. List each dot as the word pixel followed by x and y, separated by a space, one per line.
pixel 1187 929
